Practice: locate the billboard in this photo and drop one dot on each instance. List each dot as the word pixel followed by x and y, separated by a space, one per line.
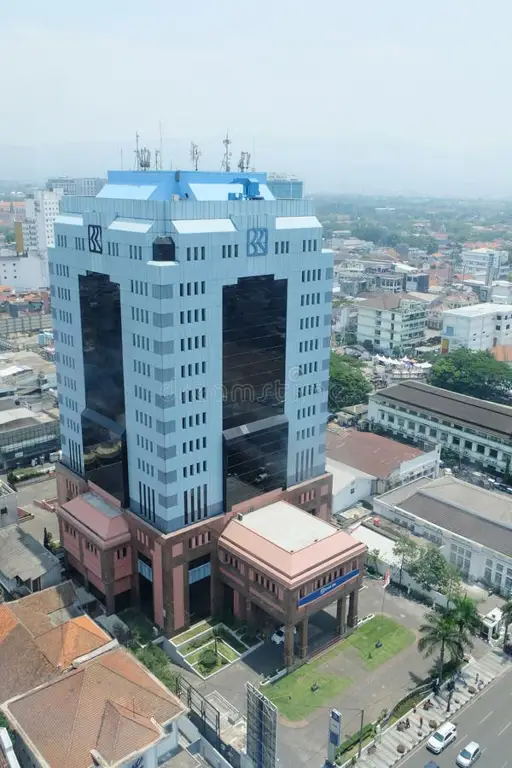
pixel 261 729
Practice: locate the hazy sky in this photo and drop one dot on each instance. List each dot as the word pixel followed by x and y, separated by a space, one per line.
pixel 373 95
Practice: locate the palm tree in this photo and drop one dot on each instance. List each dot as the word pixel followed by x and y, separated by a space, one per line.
pixel 466 616
pixel 441 632
pixel 506 610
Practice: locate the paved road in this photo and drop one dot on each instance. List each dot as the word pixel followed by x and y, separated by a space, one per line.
pixel 488 721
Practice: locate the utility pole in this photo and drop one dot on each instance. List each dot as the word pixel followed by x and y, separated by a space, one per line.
pixel 360 747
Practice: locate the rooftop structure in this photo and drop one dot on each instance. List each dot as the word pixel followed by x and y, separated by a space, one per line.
pixel 475 429
pixel 25 565
pixel 110 711
pixel 364 464
pixel 477 327
pixel 41 636
pixel 286 541
pixel 474 524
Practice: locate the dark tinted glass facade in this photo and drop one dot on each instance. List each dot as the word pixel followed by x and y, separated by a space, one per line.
pixel 255 459
pixel 253 349
pixel 103 421
pixel 255 430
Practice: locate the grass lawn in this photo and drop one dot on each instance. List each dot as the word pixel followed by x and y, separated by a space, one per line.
pixel 227 651
pixel 201 626
pixel 138 623
pixel 393 636
pixel 293 696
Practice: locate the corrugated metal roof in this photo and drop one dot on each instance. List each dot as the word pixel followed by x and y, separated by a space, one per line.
pixel 131 225
pixel 478 414
pixel 23 556
pixel 127 191
pixel 203 226
pixel 297 222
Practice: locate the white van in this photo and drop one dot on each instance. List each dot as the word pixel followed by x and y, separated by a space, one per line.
pixel 445 734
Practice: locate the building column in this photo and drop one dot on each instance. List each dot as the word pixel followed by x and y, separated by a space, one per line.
pixel 352 608
pixel 303 646
pixel 341 616
pixel 249 613
pixel 289 655
pixel 110 601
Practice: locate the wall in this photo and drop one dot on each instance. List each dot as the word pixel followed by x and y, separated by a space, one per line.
pixel 8 501
pixel 344 498
pixel 51 577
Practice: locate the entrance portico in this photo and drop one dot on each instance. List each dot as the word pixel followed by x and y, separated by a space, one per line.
pixel 291 565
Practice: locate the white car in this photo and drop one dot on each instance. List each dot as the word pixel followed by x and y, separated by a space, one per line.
pixel 469 755
pixel 445 734
pixel 278 636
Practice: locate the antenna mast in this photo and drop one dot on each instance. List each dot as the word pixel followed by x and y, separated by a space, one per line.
pixel 137 153
pixel 244 162
pixel 226 160
pixel 195 154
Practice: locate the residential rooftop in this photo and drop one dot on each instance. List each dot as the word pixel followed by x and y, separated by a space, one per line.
pixel 107 710
pixel 372 454
pixel 389 301
pixel 22 556
pixel 464 509
pixel 480 310
pixel 450 406
pixel 41 636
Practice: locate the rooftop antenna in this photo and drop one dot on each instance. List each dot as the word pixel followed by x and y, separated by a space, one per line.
pixel 195 154
pixel 244 162
pixel 226 160
pixel 158 160
pixel 144 159
pixel 161 143
pixel 122 158
pixel 253 154
pixel 137 154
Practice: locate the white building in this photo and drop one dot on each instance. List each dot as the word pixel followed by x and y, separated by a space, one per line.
pixel 87 186
pixel 363 464
pixel 471 526
pixel 478 431
pixel 392 322
pixel 485 262
pixel 501 292
pixel 23 271
pixel 478 327
pixel 43 209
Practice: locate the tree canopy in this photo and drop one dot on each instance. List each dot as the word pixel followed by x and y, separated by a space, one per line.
pixel 430 569
pixel 477 374
pixel 347 384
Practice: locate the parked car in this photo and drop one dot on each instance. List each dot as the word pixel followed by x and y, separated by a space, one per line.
pixel 469 755
pixel 440 739
pixel 278 636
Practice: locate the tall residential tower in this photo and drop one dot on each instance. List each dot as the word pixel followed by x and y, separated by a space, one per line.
pixel 192 317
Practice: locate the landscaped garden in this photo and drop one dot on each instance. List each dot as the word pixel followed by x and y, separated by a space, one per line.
pixel 314 685
pixel 210 644
pixel 140 626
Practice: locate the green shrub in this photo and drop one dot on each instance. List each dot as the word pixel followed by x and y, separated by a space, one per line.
pixel 208 659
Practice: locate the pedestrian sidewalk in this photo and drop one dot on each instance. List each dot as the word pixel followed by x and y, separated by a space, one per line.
pixel 477 674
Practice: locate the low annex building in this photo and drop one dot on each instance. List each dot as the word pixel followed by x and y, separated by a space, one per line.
pixel 364 464
pixel 288 564
pixel 471 526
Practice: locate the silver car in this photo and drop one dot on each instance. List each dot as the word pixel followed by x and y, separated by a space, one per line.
pixel 469 755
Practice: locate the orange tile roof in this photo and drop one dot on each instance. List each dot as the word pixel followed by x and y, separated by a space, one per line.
pixel 34 647
pixel 105 705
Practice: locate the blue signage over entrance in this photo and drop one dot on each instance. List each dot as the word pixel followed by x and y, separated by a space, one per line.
pixel 332 585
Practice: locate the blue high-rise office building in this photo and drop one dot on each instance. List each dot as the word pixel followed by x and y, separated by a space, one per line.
pixel 192 318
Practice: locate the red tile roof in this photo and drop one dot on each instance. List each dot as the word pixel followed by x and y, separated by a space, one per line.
pixel 106 705
pixel 373 454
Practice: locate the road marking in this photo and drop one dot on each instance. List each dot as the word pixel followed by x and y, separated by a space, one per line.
pixel 488 715
pixel 504 728
pixel 504 765
pixel 462 739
